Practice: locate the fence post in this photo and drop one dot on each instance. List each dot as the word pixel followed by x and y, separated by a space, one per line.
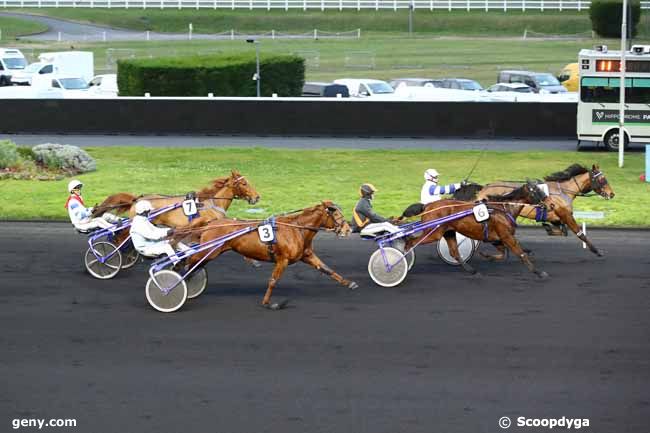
pixel 58 37
pixel 197 5
pixel 148 37
pixel 214 4
pixel 376 5
pixel 523 6
pixel 0 34
pixel 579 5
pixel 233 4
pixel 431 5
pixel 358 5
pixel 268 5
pixel 232 34
pixel 505 5
pixel 395 5
pixel 304 5
pixel 560 5
pixel 103 36
pixel 315 34
pixel 340 5
pixel 272 34
pixel 286 5
pixel 179 4
pixel 358 33
pixel 486 5
pixel 250 5
pixel 542 8
pixel 449 5
pixel 467 5
pixel 322 5
pixel 190 33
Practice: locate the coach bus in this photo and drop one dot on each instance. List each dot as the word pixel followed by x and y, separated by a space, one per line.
pixel 598 106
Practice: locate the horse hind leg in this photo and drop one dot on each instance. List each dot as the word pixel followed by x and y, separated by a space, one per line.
pixel 450 237
pixel 314 261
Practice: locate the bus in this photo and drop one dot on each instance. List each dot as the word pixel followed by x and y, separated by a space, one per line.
pixel 599 102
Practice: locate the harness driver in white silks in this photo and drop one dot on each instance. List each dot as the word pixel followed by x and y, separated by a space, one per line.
pixel 148 239
pixel 364 218
pixel 431 191
pixel 80 215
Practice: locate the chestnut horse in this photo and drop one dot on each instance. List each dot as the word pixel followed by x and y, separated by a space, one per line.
pixel 564 186
pixel 294 235
pixel 498 229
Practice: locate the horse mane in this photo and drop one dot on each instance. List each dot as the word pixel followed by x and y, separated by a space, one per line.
pixel 217 184
pixel 515 194
pixel 467 192
pixel 567 173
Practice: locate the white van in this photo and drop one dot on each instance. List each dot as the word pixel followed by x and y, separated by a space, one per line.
pixel 367 88
pixel 11 60
pixel 74 63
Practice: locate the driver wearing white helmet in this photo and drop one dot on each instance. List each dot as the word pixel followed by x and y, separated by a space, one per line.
pixel 80 215
pixel 148 239
pixel 431 191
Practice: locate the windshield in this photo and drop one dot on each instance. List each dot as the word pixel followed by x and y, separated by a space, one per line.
pixel 15 63
pixel 73 83
pixel 377 88
pixel 34 67
pixel 523 90
pixel 470 85
pixel 546 80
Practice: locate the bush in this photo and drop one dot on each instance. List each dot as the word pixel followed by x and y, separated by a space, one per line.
pixel 9 156
pixel 26 153
pixel 606 17
pixel 58 156
pixel 220 75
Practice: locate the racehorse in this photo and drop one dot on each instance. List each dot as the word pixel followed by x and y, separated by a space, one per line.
pixel 498 229
pixel 564 186
pixel 294 234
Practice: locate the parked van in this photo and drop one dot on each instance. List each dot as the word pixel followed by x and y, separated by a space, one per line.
pixel 74 63
pixel 326 90
pixel 569 77
pixel 11 60
pixel 540 82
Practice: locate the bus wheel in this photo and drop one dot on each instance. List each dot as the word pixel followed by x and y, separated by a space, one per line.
pixel 611 140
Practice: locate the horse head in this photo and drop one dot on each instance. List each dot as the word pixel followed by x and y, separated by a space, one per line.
pixel 241 188
pixel 335 219
pixel 599 183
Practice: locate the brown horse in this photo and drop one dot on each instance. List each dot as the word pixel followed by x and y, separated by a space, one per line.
pixel 294 235
pixel 498 229
pixel 564 186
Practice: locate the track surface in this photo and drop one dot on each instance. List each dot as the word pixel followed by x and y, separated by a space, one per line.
pixel 444 352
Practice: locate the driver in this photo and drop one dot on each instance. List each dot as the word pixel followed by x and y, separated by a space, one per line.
pixel 148 239
pixel 80 215
pixel 363 216
pixel 431 191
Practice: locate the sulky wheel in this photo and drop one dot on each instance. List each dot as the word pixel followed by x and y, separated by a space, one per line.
pixel 466 248
pixel 130 257
pixel 103 261
pixel 410 257
pixel 171 301
pixel 197 281
pixel 381 275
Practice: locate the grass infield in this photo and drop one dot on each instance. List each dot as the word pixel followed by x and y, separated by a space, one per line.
pixel 13 27
pixel 292 179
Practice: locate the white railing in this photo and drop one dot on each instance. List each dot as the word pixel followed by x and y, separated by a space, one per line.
pixel 486 5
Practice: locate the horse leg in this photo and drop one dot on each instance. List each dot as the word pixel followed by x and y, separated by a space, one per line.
pixel 450 237
pixel 575 228
pixel 314 261
pixel 508 238
pixel 496 257
pixel 281 264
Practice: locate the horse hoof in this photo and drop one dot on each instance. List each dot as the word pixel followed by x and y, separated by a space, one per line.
pixel 543 275
pixel 256 264
pixel 276 305
pixel 469 269
pixel 599 253
pixel 353 286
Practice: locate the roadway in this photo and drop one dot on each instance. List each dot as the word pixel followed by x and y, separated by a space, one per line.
pixel 443 352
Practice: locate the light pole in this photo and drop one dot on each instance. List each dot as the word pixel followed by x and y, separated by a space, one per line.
pixel 257 76
pixel 621 111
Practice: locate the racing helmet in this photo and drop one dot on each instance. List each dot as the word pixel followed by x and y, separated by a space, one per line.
pixel 431 174
pixel 367 190
pixel 143 206
pixel 74 184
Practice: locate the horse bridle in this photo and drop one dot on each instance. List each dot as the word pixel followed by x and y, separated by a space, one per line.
pixel 598 182
pixel 338 218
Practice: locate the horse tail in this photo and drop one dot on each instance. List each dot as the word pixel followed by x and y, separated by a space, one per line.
pixel 468 192
pixel 413 210
pixel 116 203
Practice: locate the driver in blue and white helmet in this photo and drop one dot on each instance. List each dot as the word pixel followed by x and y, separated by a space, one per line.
pixel 432 191
pixel 80 215
pixel 148 239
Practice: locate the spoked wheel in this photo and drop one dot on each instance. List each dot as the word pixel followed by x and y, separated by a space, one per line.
pixel 466 248
pixel 410 257
pixel 197 281
pixel 112 260
pixel 171 301
pixel 130 257
pixel 380 274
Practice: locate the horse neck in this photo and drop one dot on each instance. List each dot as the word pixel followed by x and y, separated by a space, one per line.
pixel 223 197
pixel 312 219
pixel 581 181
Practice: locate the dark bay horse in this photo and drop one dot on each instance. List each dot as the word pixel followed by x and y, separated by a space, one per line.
pixel 564 186
pixel 294 235
pixel 498 229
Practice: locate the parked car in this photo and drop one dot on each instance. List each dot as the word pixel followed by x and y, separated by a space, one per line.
pixel 414 82
pixel 460 84
pixel 510 87
pixel 364 88
pixel 67 85
pixel 103 85
pixel 74 63
pixel 327 90
pixel 11 60
pixel 569 77
pixel 541 82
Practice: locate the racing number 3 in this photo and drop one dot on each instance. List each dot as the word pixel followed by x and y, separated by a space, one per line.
pixel 266 233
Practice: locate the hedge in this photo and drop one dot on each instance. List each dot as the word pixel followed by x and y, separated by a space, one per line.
pixel 606 17
pixel 221 75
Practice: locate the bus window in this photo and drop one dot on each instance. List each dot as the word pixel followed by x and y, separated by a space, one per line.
pixel 603 90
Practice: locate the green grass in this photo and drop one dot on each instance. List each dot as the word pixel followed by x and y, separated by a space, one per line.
pixel 290 179
pixel 13 27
